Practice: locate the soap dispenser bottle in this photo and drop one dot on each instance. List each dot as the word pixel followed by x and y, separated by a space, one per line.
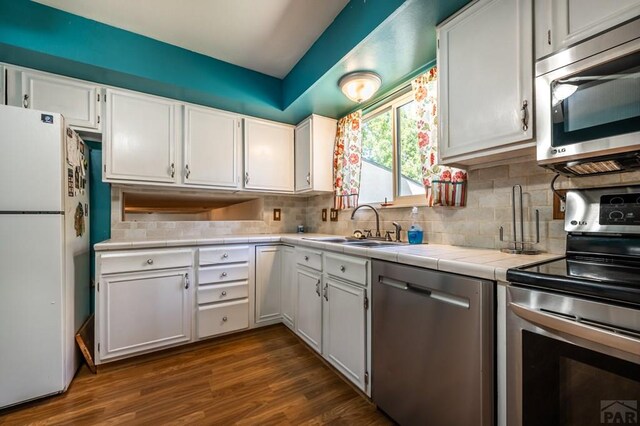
pixel 415 233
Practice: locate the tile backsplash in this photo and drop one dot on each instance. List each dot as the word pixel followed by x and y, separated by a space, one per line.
pixel 476 225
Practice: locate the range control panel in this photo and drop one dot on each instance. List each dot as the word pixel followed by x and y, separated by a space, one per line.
pixel 603 210
pixel 620 209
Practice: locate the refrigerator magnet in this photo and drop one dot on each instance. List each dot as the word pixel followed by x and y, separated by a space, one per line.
pixel 78 222
pixel 70 180
pixel 77 178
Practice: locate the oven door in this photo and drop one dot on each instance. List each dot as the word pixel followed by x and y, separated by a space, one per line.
pixel 571 361
pixel 589 107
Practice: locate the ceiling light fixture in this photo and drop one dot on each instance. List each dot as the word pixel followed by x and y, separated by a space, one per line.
pixel 360 86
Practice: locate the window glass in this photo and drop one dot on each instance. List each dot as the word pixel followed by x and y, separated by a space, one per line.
pixel 376 182
pixel 409 164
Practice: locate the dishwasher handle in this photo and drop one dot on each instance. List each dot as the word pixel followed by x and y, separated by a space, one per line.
pixel 440 296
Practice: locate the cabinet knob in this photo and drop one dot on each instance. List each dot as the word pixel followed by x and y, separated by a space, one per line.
pixel 149 261
pixel 224 256
pixel 224 274
pixel 306 258
pixel 224 319
pixel 342 268
pixel 224 293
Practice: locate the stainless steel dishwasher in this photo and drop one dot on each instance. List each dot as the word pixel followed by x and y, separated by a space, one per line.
pixel 432 346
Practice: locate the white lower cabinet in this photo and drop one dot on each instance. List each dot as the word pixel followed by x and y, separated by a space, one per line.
pixel 288 289
pixel 222 318
pixel 344 329
pixel 268 283
pixel 143 311
pixel 223 290
pixel 309 307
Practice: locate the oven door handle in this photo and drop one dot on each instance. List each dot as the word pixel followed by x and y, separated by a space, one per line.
pixel 575 328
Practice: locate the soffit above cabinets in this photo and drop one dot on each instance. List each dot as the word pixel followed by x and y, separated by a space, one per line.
pixel 268 36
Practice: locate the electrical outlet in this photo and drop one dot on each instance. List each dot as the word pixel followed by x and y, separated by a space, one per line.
pixel 559 206
pixel 324 215
pixel 334 215
pixel 276 215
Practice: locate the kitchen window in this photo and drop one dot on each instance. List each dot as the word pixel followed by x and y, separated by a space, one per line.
pixel 391 165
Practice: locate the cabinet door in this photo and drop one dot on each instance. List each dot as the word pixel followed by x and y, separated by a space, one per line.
pixel 303 156
pixel 344 331
pixel 309 308
pixel 288 299
pixel 75 100
pixel 143 311
pixel 485 78
pixel 210 147
pixel 140 140
pixel 268 281
pixel 268 156
pixel 575 20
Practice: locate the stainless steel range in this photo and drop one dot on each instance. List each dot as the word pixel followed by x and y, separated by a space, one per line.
pixel 573 325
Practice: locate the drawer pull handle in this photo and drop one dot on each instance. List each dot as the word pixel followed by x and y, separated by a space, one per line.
pixel 306 258
pixel 149 261
pixel 224 274
pixel 326 292
pixel 224 256
pixel 342 268
pixel 224 293
pixel 318 288
pixel 224 319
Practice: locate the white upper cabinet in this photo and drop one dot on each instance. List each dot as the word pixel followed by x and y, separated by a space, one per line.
pixel 77 101
pixel 140 142
pixel 485 82
pixel 314 140
pixel 268 156
pixel 566 22
pixel 211 148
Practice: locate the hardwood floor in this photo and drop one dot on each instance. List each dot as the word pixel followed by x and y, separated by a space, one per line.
pixel 265 376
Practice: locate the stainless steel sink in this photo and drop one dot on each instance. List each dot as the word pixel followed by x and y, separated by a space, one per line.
pixel 355 242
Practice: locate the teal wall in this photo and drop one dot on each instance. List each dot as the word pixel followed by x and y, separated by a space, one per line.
pixel 392 37
pixel 99 202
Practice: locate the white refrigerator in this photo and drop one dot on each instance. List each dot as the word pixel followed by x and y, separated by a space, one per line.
pixel 44 253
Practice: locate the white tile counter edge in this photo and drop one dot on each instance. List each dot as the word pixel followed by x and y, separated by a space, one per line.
pixel 475 262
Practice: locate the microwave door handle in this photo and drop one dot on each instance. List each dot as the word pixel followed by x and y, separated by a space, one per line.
pixel 588 332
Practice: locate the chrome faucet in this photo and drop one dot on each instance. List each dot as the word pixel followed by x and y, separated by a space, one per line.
pixel 377 217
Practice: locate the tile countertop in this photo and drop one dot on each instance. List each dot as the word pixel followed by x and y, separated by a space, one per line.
pixel 481 263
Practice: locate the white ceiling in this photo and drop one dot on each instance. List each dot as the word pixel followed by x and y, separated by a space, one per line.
pixel 268 36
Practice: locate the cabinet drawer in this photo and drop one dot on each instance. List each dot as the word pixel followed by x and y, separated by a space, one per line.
pixel 310 259
pixel 145 260
pixel 212 293
pixel 224 254
pixel 348 268
pixel 222 318
pixel 223 273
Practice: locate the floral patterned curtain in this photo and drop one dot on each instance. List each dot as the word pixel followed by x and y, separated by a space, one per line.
pixel 347 161
pixel 444 185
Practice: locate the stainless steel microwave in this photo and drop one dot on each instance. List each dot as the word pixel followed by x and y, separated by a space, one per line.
pixel 588 104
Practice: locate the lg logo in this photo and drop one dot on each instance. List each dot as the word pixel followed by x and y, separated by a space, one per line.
pixel 578 222
pixel 555 151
